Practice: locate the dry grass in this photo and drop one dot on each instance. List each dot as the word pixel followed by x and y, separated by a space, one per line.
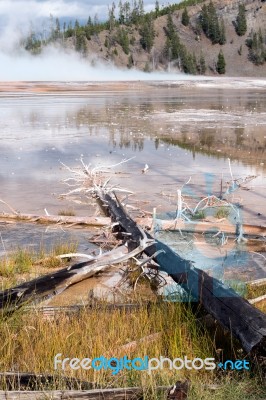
pixel 18 262
pixel 30 343
pixel 254 291
pixel 24 263
pixel 67 212
pixel 222 212
pixel 257 291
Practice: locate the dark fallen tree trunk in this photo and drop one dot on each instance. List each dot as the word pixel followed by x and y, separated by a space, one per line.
pixel 129 393
pixel 246 323
pixel 40 288
pixel 29 381
pixel 48 286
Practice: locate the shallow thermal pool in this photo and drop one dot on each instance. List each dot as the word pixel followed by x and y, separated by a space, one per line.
pixel 181 131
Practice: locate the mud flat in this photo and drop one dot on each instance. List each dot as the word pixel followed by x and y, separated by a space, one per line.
pixel 173 80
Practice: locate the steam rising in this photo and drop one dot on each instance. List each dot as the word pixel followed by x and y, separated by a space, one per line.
pixel 54 64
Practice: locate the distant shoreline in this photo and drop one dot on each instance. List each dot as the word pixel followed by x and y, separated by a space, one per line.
pixel 82 87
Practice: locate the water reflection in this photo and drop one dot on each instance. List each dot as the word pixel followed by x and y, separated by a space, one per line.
pixel 178 132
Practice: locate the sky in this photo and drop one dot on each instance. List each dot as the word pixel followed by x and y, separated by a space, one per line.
pixel 80 9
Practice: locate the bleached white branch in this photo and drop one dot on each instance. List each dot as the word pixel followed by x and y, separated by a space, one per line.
pixel 11 208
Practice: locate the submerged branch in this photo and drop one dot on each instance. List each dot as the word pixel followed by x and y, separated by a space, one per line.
pixel 146 222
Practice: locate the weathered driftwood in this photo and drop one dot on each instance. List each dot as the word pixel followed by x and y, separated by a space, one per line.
pixel 245 322
pixel 257 299
pixel 53 311
pixel 30 381
pixel 257 282
pixel 57 219
pixel 194 226
pixel 49 285
pixel 94 394
pixel 132 346
pixel 179 391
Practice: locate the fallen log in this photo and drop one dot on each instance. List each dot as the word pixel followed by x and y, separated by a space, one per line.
pixel 29 381
pixel 244 321
pixel 94 394
pixel 49 285
pixel 146 222
pixel 257 282
pixel 54 311
pixel 128 393
pixel 257 299
pixel 56 219
pixel 130 347
pixel 178 391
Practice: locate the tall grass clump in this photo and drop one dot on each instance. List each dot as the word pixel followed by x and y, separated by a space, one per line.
pixel 18 262
pixel 31 342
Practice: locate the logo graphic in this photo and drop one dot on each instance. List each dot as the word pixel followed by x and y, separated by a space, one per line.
pixel 145 364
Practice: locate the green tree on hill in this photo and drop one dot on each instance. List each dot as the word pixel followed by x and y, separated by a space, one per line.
pixel 257 49
pixel 177 51
pixel 137 12
pixel 123 39
pixel 157 8
pixel 241 22
pixel 33 44
pixel 222 39
pixel 185 17
pixel 111 13
pixel 221 64
pixel 173 46
pixel 81 46
pixel 189 63
pixel 202 65
pixel 211 26
pixel 147 33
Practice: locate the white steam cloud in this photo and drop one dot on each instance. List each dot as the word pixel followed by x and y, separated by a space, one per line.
pixel 54 63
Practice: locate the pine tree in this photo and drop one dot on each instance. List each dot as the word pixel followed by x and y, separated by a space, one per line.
pixel 257 48
pixel 123 39
pixel 121 15
pixel 222 39
pixel 202 65
pixel 130 63
pixel 185 17
pixel 204 19
pixel 221 64
pixel 157 9
pixel 81 46
pixel 57 30
pixel 173 45
pixel 170 27
pixel 111 12
pixel 147 33
pixel 188 61
pixel 241 22
pixel 127 12
pixel 70 30
pixel 213 29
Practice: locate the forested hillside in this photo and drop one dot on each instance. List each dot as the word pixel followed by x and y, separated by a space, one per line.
pixel 224 37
